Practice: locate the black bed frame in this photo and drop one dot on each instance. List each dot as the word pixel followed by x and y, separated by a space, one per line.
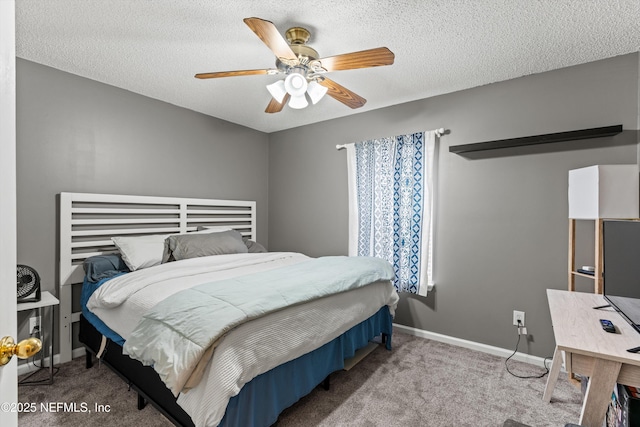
pixel 142 379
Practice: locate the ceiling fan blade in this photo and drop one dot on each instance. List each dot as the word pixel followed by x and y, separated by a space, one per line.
pixel 363 59
pixel 342 94
pixel 269 34
pixel 275 106
pixel 233 73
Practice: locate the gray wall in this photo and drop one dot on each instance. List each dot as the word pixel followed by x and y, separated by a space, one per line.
pixel 78 135
pixel 501 233
pixel 502 217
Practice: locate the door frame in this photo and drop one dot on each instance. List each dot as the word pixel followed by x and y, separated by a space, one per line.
pixel 8 242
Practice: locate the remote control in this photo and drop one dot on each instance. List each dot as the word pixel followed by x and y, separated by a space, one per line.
pixel 634 350
pixel 607 325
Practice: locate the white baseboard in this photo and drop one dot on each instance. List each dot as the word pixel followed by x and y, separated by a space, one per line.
pixel 26 368
pixel 496 351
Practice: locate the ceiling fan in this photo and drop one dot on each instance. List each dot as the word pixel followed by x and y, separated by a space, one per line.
pixel 304 70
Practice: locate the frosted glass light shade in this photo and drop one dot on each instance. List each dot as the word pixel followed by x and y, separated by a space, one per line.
pixel 604 191
pixel 316 91
pixel 298 102
pixel 277 90
pixel 295 84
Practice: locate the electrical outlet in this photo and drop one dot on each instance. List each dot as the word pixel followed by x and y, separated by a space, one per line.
pixel 34 323
pixel 518 315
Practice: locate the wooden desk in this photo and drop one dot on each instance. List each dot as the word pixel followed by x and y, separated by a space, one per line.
pixel 590 351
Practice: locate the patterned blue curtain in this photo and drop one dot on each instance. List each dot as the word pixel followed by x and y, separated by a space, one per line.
pixel 391 205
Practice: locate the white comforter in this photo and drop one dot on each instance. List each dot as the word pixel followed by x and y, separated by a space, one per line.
pixel 240 356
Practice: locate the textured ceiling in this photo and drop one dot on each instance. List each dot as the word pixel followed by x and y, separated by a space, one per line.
pixel 155 47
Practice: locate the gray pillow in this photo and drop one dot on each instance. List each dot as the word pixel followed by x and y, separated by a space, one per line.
pixel 253 247
pixel 185 246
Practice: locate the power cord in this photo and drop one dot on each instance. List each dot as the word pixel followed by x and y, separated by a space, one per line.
pixel 55 370
pixel 36 331
pixel 516 350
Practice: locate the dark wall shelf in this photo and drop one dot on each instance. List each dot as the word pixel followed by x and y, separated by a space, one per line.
pixel 538 139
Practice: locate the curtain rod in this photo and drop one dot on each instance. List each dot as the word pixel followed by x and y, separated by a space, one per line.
pixel 439 132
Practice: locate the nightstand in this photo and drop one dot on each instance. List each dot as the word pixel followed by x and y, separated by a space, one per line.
pixel 49 302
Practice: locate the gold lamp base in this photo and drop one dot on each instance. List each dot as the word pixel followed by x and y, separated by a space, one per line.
pixel 23 350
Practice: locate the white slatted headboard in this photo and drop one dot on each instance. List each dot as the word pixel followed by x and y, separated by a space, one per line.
pixel 88 221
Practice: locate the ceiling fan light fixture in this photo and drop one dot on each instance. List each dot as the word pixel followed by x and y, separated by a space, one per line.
pixel 303 68
pixel 296 85
pixel 316 91
pixel 298 102
pixel 277 90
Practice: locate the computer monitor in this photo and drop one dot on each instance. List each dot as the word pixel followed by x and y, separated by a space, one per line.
pixel 621 266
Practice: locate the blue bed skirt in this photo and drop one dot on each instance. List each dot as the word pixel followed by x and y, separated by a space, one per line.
pixel 270 393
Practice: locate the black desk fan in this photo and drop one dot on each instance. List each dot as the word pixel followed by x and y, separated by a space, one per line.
pixel 28 283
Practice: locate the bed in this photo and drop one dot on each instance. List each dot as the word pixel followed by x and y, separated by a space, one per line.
pixel 260 387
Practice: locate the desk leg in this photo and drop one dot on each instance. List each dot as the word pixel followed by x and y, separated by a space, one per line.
pixel 598 396
pixel 556 364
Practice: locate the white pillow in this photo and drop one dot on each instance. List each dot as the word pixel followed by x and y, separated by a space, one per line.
pixel 141 251
pixel 146 251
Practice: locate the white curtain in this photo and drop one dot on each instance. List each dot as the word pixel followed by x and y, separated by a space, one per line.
pixel 391 205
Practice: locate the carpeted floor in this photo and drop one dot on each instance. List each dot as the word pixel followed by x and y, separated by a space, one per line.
pixel 419 383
